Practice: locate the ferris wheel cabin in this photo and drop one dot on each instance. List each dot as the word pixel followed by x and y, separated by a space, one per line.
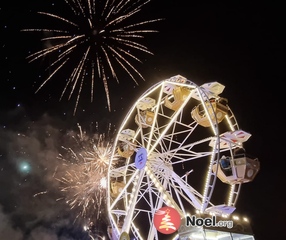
pixel 145 116
pixel 179 96
pixel 217 108
pixel 239 168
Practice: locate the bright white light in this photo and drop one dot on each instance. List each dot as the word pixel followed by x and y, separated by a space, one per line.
pixel 235 217
pixel 24 167
pixel 103 182
pixel 245 219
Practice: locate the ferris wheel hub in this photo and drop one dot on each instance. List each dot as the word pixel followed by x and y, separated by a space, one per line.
pixel 141 158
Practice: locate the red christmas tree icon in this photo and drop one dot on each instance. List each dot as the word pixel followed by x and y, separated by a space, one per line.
pixel 166 222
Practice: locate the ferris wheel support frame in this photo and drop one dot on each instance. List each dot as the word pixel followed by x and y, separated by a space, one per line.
pixel 159 142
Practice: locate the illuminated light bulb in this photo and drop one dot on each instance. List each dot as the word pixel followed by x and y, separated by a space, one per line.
pixel 235 217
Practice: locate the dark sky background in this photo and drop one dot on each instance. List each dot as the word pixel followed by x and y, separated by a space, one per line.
pixel 240 45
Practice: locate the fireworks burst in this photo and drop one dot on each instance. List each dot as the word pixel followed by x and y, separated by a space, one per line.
pixel 100 37
pixel 84 181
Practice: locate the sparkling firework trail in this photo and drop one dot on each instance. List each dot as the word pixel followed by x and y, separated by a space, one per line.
pixel 100 37
pixel 84 181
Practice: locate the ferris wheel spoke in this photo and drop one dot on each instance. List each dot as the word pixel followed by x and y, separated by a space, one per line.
pixel 156 110
pixel 233 194
pixel 162 189
pixel 168 125
pixel 192 194
pixel 185 153
pixel 130 206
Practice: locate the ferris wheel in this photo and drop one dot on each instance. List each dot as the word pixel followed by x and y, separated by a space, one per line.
pixel 177 139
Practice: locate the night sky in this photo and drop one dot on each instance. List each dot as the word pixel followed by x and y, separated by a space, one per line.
pixel 240 45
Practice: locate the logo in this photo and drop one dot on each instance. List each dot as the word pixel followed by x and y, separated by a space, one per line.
pixel 208 222
pixel 167 220
pixel 141 158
